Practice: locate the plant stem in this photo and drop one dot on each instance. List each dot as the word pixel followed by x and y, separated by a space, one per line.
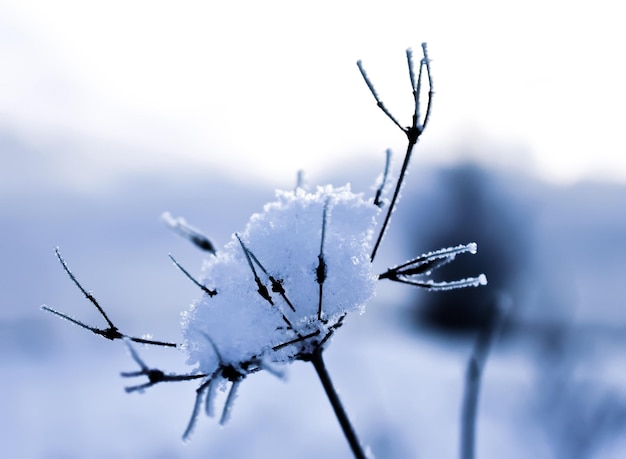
pixel 340 412
pixel 394 199
pixel 470 405
pixel 473 376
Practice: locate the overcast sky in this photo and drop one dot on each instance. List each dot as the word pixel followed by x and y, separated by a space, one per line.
pixel 262 89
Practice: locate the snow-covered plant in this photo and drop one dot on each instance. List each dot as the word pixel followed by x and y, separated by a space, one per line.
pixel 280 289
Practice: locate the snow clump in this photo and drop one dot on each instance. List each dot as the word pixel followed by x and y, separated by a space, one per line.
pixel 285 283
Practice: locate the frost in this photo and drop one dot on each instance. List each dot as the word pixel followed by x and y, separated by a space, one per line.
pixel 414 271
pixel 280 288
pixel 180 226
pixel 284 283
pixel 452 285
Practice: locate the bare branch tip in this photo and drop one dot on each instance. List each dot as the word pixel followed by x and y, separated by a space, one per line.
pixel 205 289
pixel 133 353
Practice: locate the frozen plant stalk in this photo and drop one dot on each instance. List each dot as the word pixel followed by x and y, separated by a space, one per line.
pixel 269 292
pixel 279 290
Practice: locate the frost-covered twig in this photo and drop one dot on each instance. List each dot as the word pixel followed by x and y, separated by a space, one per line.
pixel 154 375
pixel 413 132
pixel 321 272
pixel 410 271
pixel 383 181
pixel 111 332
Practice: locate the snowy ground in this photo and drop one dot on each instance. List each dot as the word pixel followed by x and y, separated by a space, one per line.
pixel 554 387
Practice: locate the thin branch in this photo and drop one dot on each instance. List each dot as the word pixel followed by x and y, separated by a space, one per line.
pixel 180 226
pixel 448 252
pixel 322 268
pixel 377 199
pixel 277 284
pixel 200 391
pixel 296 340
pixel 413 132
pixel 423 265
pixel 416 85
pixel 110 333
pixel 230 400
pixel 473 376
pixel 211 393
pixel 450 285
pixel 394 199
pixel 299 180
pixel 428 262
pixel 192 279
pixel 213 346
pixel 425 63
pixel 331 331
pixel 379 102
pixel 340 412
pixel 261 288
pixel 88 295
pixel 154 375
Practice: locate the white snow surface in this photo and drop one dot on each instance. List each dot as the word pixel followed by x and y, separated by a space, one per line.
pixel 238 325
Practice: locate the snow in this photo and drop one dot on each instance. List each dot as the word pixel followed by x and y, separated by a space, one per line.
pixel 62 395
pixel 287 241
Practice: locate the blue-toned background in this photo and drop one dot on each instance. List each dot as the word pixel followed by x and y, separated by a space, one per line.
pixel 112 113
